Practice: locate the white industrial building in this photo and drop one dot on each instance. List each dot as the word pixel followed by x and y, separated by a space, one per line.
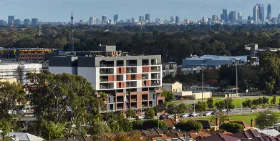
pixel 14 70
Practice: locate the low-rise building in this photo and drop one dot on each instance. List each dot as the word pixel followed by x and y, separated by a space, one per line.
pixel 15 70
pixel 195 64
pixel 169 68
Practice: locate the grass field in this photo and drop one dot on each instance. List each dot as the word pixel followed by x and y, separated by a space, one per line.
pixel 236 101
pixel 245 118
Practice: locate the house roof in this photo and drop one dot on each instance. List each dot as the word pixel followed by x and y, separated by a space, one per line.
pixel 25 136
pixel 205 123
pixel 271 132
pixel 74 138
pixel 199 134
pixel 170 122
pixel 254 135
pixel 220 137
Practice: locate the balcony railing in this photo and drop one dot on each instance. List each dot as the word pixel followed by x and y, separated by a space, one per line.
pixel 106 72
pixel 103 80
pixel 155 84
pixel 155 70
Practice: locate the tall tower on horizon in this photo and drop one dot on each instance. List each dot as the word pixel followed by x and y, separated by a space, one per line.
pixel 268 12
pixel 256 14
pixel 261 12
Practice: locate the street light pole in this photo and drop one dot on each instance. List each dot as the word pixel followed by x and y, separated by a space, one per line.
pixel 236 77
pixel 202 84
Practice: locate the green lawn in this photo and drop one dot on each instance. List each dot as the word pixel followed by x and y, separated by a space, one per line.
pixel 236 101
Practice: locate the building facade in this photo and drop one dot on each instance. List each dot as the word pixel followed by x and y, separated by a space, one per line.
pixel 18 71
pixel 131 81
pixel 169 68
pixel 195 64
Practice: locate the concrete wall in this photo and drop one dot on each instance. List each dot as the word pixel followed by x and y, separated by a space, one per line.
pixel 183 93
pixel 90 74
pixel 205 95
pixel 177 87
pixel 60 70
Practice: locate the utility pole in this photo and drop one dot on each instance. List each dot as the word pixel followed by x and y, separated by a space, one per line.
pixel 236 61
pixel 72 33
pixel 202 83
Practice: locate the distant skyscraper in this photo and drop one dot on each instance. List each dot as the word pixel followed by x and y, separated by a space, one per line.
pixel 2 22
pixel 141 19
pixel 116 18
pixel 225 15
pixel 91 21
pixel 215 18
pixel 256 14
pixel 98 22
pixel 148 18
pixel 261 12
pixel 34 22
pixel 177 20
pixel 26 22
pixel 172 19
pixel 268 12
pixel 11 20
pixel 239 17
pixel 17 22
pixel 104 19
pixel 232 16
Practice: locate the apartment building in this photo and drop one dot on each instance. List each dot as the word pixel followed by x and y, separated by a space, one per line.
pixel 131 81
pixel 169 68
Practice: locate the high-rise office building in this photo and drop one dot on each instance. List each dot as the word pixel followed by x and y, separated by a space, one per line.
pixel 232 16
pixel 26 22
pixel 172 19
pixel 11 20
pixel 17 22
pixel 116 18
pixel 2 22
pixel 261 12
pixel 141 19
pixel 268 12
pixel 98 22
pixel 34 21
pixel 215 18
pixel 239 17
pixel 256 14
pixel 225 15
pixel 91 21
pixel 177 20
pixel 104 19
pixel 148 18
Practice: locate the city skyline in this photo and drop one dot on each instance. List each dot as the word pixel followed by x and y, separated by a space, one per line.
pixel 61 9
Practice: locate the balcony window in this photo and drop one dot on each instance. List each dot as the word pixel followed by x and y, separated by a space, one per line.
pixel 103 78
pixel 119 77
pixel 107 71
pixel 107 86
pixel 131 70
pixel 120 63
pixel 155 69
pixel 154 62
pixel 155 76
pixel 145 76
pixel 144 97
pixel 131 84
pixel 131 62
pixel 106 63
pixel 145 62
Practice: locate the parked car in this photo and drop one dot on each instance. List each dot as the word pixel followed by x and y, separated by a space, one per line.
pixel 214 113
pixel 170 116
pixel 163 117
pixel 193 114
pixel 185 115
pixel 208 113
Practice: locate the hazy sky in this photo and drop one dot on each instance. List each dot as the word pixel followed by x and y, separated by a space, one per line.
pixel 60 10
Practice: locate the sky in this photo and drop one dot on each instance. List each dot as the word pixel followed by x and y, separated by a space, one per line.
pixel 60 10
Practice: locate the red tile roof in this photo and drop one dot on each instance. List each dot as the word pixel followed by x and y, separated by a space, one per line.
pixel 220 137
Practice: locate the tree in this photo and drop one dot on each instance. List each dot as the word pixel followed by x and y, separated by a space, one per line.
pixel 100 128
pixel 5 127
pixel 150 114
pixel 63 99
pixel 182 108
pixel 189 125
pixel 266 118
pixel 169 96
pixel 160 107
pixel 232 127
pixel 131 113
pixel 148 124
pixel 210 103
pixel 52 131
pixel 247 103
pixel 200 106
pixel 220 105
pixel 228 104
pixel 273 100
pixel 172 109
